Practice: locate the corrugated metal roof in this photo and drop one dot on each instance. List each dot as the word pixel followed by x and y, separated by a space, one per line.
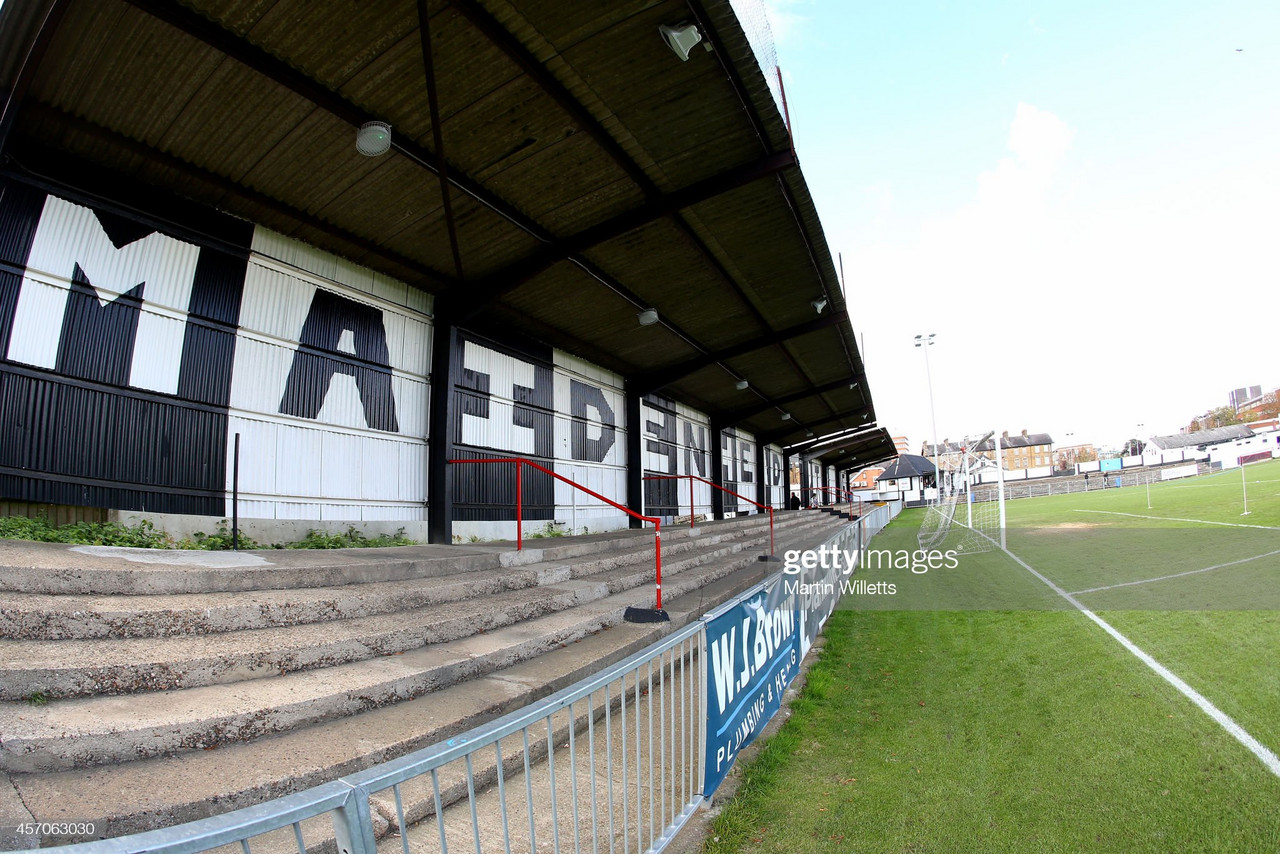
pixel 1212 436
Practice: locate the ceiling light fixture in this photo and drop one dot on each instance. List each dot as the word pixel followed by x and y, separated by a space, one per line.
pixel 741 385
pixel 682 38
pixel 648 317
pixel 819 305
pixel 786 416
pixel 373 138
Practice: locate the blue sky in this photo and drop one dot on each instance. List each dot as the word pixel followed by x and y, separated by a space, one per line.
pixel 1079 199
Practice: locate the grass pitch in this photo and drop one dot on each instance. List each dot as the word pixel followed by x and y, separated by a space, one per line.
pixel 978 710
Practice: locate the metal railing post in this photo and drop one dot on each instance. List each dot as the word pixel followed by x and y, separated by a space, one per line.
pixel 235 498
pixel 693 477
pixel 353 824
pixel 773 549
pixel 691 513
pixel 657 538
pixel 521 461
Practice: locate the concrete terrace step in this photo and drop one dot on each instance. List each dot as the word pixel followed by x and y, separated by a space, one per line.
pixel 96 667
pixel 68 668
pixel 50 616
pixel 56 568
pixel 46 616
pixel 505 673
pixel 112 729
pixel 156 757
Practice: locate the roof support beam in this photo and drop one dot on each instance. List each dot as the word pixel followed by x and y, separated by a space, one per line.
pixel 437 132
pixel 429 279
pixel 830 440
pixel 516 51
pixel 480 18
pixel 737 416
pixel 655 380
pixel 232 45
pixel 481 292
pixel 739 88
pixel 776 435
pixel 30 64
pixel 862 443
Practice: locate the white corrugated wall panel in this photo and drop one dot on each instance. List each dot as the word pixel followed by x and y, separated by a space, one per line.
pixel 275 304
pixel 379 470
pixel 327 266
pixel 295 510
pixel 160 335
pixel 258 448
pixel 692 443
pixel 604 424
pixel 737 458
pixel 299 458
pixel 411 466
pixel 776 479
pixel 165 264
pixel 499 430
pixel 260 372
pixel 413 402
pixel 37 323
pixel 341 460
pixel 334 466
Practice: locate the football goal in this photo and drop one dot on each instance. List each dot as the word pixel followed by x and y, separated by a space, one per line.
pixel 969 514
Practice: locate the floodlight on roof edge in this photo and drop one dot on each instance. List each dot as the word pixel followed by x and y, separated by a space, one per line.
pixel 819 305
pixel 682 38
pixel 373 138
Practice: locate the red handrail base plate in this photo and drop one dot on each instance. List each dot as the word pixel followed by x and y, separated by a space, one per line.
pixel 645 615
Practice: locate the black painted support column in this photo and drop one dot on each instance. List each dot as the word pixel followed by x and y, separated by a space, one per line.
pixel 717 469
pixel 440 445
pixel 761 486
pixel 805 496
pixel 635 459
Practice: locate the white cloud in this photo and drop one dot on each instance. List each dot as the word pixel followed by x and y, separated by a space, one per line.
pixel 1066 299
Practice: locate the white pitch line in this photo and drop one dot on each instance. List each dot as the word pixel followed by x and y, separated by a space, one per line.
pixel 1178 519
pixel 1177 574
pixel 1257 748
pixel 1205 485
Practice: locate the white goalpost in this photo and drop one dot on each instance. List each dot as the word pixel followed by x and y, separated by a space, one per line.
pixel 980 525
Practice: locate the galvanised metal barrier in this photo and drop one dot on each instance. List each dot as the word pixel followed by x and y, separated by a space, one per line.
pixel 612 763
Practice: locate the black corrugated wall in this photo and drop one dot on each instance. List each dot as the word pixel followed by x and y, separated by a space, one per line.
pixel 76 432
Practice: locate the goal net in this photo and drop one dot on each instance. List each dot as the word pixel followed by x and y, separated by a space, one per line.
pixel 967 517
pixel 937 522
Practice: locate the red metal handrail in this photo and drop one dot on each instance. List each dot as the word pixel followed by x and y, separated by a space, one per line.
pixel 521 462
pixel 693 477
pixel 838 491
